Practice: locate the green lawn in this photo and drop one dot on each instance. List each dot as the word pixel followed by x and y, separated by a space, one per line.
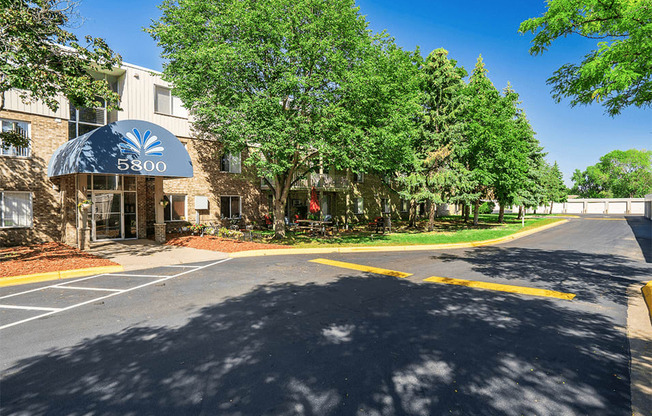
pixel 447 230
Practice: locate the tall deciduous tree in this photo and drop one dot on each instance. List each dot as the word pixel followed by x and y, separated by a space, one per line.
pixel 42 60
pixel 618 71
pixel 619 174
pixel 296 80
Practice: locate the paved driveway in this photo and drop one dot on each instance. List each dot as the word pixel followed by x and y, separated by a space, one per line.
pixel 289 336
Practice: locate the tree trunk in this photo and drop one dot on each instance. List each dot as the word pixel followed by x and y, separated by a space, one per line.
pixel 520 212
pixel 279 218
pixel 501 214
pixel 432 210
pixel 465 212
pixel 551 203
pixel 476 212
pixel 282 190
pixel 413 214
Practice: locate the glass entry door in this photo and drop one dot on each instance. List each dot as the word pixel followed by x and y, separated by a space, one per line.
pixel 107 215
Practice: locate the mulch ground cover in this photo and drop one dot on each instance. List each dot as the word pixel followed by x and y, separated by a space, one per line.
pixel 227 245
pixel 47 257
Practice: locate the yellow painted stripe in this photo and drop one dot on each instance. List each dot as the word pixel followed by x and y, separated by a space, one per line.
pixel 606 219
pixel 647 295
pixel 502 288
pixel 64 274
pixel 361 267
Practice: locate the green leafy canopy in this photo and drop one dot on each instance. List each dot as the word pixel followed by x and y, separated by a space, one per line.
pixel 618 72
pixel 43 61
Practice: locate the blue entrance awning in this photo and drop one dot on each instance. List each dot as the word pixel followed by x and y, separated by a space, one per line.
pixel 127 147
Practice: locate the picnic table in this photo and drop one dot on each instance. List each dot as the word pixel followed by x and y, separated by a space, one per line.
pixel 314 227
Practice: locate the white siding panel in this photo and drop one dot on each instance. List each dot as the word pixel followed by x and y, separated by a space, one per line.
pixel 13 102
pixel 138 101
pixel 558 208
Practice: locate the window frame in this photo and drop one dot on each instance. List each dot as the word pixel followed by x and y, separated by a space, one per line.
pixel 229 157
pixel 172 100
pixel 17 150
pixel 405 205
pixel 2 210
pixel 230 202
pixel 358 205
pixel 168 207
pixel 358 177
pixel 385 203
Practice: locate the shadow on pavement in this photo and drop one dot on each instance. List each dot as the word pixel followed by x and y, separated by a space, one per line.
pixel 356 346
pixel 642 229
pixel 588 275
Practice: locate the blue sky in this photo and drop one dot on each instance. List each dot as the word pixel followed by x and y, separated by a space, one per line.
pixel 574 137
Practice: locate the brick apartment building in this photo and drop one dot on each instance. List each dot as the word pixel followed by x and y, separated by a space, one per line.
pixel 144 172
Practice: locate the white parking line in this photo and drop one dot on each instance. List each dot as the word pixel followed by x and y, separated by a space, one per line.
pixel 53 311
pixel 101 289
pixel 51 286
pixel 138 275
pixel 178 265
pixel 30 308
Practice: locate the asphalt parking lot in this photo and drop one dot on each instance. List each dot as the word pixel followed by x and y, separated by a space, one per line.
pixel 336 335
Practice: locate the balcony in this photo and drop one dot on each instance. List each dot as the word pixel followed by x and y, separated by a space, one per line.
pixel 321 182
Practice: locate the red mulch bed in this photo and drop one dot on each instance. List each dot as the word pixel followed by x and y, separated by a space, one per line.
pixel 226 245
pixel 47 257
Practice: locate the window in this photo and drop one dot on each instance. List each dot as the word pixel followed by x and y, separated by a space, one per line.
pixel 405 205
pixel 84 120
pixel 20 127
pixel 358 206
pixel 175 210
pixel 166 103
pixel 358 177
pixel 230 163
pixel 230 206
pixel 15 209
pixel 384 205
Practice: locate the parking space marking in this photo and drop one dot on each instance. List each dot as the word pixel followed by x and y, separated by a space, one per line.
pixel 53 311
pixel 139 275
pixel 606 219
pixel 360 267
pixel 101 289
pixel 179 265
pixel 501 288
pixel 30 308
pixel 51 286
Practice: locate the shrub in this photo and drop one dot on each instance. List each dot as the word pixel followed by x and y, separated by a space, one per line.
pixel 487 207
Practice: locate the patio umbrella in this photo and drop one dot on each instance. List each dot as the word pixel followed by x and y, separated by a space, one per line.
pixel 314 201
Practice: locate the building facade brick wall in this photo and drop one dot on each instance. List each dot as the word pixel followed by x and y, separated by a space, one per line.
pixel 50 222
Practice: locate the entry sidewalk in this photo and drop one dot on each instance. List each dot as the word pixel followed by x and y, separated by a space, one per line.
pixel 143 254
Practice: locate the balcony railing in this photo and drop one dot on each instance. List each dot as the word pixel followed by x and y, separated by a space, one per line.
pixel 321 181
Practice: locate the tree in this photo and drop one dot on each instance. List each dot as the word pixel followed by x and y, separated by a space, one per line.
pixel 619 174
pixel 431 177
pixel 298 82
pixel 555 189
pixel 42 60
pixel 517 153
pixel 482 132
pixel 618 71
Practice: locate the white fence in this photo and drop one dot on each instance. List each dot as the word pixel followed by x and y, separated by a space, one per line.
pixel 597 206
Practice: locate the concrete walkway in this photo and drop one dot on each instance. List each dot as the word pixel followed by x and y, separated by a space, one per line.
pixel 143 254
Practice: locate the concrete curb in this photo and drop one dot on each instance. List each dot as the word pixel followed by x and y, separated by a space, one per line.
pixel 647 295
pixel 63 274
pixel 328 250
